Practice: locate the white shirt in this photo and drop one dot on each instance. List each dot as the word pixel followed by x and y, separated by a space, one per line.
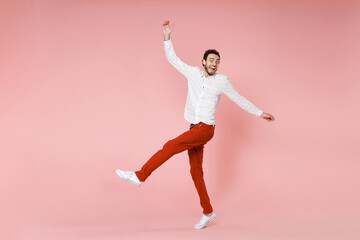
pixel 204 92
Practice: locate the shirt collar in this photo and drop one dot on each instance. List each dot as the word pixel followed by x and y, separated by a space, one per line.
pixel 203 75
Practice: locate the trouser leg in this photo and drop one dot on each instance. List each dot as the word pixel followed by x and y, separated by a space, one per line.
pixel 198 135
pixel 196 170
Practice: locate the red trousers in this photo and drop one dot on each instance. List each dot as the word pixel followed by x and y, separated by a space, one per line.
pixel 192 140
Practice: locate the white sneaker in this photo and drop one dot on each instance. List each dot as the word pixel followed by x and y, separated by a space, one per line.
pixel 129 176
pixel 204 221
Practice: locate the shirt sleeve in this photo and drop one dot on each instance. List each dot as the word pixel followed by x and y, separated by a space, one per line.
pixel 182 67
pixel 229 91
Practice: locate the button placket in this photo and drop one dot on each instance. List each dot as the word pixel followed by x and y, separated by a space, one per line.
pixel 201 95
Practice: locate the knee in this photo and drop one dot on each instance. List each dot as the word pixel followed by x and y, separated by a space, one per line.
pixel 171 146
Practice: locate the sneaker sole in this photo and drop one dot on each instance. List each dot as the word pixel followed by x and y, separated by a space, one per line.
pixel 126 179
pixel 206 223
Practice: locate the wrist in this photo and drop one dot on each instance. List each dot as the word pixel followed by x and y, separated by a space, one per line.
pixel 166 37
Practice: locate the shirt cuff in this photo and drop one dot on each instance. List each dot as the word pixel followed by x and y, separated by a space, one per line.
pixel 167 42
pixel 259 113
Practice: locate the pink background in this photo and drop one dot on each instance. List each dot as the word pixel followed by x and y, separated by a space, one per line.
pixel 85 88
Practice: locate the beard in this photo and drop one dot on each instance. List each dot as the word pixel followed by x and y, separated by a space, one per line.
pixel 208 70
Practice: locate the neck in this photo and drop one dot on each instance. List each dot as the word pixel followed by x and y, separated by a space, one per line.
pixel 206 74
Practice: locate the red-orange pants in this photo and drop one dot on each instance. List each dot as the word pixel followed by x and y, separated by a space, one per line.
pixel 192 140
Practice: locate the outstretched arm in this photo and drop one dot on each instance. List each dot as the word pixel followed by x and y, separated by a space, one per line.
pixel 182 67
pixel 243 102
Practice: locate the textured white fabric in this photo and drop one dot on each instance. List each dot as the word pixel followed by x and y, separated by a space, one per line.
pixel 204 92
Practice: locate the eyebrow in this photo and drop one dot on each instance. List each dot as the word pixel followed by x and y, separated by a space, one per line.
pixel 216 59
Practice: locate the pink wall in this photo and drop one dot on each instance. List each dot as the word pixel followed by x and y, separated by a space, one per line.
pixel 85 88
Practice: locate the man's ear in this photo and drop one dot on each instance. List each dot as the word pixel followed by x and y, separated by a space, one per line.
pixel 203 62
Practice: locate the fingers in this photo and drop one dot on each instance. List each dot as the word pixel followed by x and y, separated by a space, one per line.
pixel 269 118
pixel 166 23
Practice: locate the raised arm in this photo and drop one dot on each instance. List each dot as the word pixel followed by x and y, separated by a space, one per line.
pixel 182 67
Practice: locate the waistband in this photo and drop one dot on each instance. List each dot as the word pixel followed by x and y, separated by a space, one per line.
pixel 193 125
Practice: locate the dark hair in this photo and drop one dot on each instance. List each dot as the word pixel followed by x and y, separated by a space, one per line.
pixel 207 52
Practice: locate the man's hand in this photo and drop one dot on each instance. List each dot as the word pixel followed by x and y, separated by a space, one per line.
pixel 267 116
pixel 167 30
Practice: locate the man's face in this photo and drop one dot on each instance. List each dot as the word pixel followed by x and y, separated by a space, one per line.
pixel 211 64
